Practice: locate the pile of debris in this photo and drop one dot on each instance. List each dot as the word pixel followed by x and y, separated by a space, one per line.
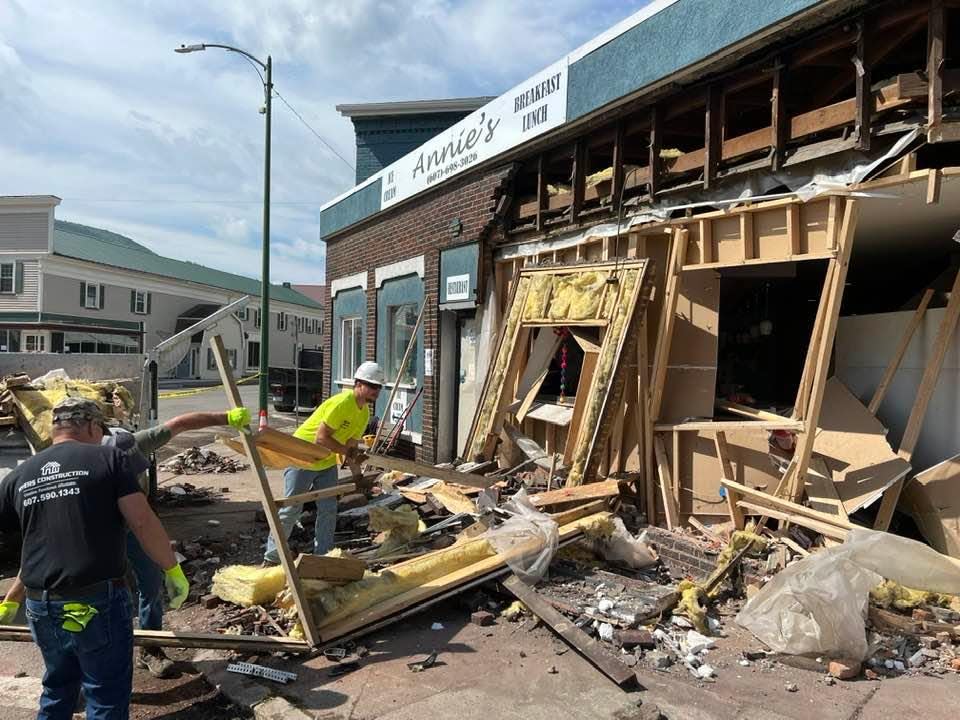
pixel 196 460
pixel 28 403
pixel 187 494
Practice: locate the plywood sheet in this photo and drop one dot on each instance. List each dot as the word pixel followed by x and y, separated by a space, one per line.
pixel 932 499
pixel 854 446
pixel 821 491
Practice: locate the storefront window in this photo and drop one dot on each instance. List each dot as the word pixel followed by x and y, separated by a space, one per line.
pixel 402 321
pixel 9 341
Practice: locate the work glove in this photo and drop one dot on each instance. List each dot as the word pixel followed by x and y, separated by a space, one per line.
pixel 177 586
pixel 8 611
pixel 238 418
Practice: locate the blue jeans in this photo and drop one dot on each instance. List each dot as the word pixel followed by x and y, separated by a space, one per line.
pixel 296 481
pixel 100 657
pixel 149 585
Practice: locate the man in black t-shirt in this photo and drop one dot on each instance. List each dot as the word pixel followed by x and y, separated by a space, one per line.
pixel 73 503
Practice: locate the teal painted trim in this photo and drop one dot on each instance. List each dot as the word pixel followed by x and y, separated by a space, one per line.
pixel 19 317
pixel 461 260
pixel 678 36
pixel 346 304
pixel 399 291
pixel 353 208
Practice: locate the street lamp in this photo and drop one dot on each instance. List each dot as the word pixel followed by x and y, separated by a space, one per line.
pixel 265 253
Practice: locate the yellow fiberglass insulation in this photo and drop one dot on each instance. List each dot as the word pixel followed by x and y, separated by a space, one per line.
pixel 603 376
pixel 576 297
pixel 247 585
pixel 538 298
pixel 892 594
pixel 399 526
pixel 692 605
pixel 494 386
pixel 344 601
pixel 36 403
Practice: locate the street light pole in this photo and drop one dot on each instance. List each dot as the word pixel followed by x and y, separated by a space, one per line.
pixel 264 370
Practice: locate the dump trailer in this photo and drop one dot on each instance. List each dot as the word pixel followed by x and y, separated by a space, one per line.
pixel 298 386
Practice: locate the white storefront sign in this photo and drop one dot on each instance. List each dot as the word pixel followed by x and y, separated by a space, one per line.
pixel 398 406
pixel 458 287
pixel 529 110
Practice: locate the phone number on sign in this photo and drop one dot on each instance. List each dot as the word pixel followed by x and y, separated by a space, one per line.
pixel 44 496
pixel 451 168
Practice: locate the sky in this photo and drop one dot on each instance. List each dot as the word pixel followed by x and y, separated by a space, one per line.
pixel 166 148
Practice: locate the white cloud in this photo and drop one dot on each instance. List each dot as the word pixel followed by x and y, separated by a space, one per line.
pixel 168 148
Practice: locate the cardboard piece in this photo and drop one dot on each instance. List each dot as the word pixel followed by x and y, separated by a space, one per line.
pixel 932 499
pixel 854 446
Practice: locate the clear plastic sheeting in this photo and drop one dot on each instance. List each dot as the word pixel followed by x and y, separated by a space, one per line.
pixel 819 605
pixel 527 541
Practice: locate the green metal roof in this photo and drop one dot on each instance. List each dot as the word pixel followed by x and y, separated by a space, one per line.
pixel 91 244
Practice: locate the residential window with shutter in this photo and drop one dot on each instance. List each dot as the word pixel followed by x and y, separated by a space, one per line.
pixel 91 295
pixel 256 318
pixel 281 321
pixel 7 278
pixel 140 302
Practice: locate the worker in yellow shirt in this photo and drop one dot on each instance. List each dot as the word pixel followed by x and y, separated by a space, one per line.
pixel 337 425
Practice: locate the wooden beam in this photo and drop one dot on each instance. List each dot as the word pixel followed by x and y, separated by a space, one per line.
pixel 936 42
pixel 385 462
pixel 656 140
pixel 321 567
pixel 543 199
pixel 809 363
pixel 587 369
pixel 824 352
pixel 713 134
pixel 779 122
pixel 587 646
pixel 256 644
pixel 578 493
pixel 666 489
pixel 579 179
pixel 934 183
pixel 830 531
pixel 898 354
pixel 668 316
pixel 269 506
pixel 864 95
pixel 316 495
pixel 928 384
pixel 726 472
pixel 750 412
pixel 729 425
pixel 616 183
pixel 765 500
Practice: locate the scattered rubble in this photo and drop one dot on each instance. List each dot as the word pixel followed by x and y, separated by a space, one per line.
pixel 196 460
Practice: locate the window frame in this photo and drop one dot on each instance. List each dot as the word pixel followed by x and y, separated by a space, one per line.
pixel 281 321
pixel 139 295
pixel 393 362
pixel 251 353
pixel 96 296
pixel 356 326
pixel 41 342
pixel 13 278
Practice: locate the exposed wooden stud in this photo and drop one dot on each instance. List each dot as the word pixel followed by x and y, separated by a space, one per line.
pixel 747 236
pixel 676 466
pixel 809 364
pixel 928 384
pixel 579 179
pixel 824 351
pixel 833 213
pixel 656 141
pixel 898 354
pixel 793 228
pixel 779 122
pixel 934 182
pixel 543 199
pixel 616 183
pixel 713 141
pixel 269 506
pixel 668 315
pixel 864 95
pixel 936 42
pixel 765 500
pixel 706 241
pixel 666 492
pixel 726 473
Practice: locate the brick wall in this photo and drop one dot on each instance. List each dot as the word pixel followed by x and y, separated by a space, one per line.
pixel 421 227
pixel 684 556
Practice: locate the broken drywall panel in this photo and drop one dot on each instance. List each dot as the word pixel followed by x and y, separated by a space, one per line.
pixel 932 499
pixel 690 385
pixel 853 444
pixel 865 344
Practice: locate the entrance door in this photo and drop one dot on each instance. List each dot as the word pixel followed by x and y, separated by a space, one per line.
pixel 467 339
pixel 34 342
pixel 195 362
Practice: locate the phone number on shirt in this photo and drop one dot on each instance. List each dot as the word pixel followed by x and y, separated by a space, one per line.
pixel 44 496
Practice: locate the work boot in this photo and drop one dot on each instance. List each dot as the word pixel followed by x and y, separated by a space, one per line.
pixel 155 661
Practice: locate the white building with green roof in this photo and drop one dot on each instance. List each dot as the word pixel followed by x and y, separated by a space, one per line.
pixel 71 288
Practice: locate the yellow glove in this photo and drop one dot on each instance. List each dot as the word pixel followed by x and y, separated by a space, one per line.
pixel 177 586
pixel 8 611
pixel 238 418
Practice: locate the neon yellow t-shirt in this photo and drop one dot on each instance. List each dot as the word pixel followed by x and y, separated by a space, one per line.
pixel 342 415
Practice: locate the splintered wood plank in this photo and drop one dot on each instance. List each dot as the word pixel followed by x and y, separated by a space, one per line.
pixel 726 473
pixel 544 348
pixel 269 506
pixel 321 567
pixel 587 646
pixel 821 491
pixel 898 354
pixel 306 497
pixel 385 462
pixel 666 490
pixel 590 491
pixel 256 644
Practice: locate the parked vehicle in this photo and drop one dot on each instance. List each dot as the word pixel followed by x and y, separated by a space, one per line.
pixel 300 386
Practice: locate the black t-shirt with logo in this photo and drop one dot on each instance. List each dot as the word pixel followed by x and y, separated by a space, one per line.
pixel 65 499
